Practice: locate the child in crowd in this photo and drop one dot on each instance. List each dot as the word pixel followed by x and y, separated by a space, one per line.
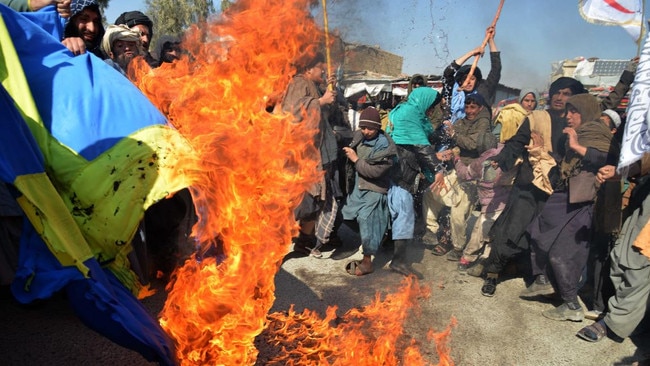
pixel 370 158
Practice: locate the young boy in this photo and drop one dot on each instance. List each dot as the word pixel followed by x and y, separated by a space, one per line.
pixel 370 158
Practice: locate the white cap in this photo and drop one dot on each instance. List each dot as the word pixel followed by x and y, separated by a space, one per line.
pixel 613 116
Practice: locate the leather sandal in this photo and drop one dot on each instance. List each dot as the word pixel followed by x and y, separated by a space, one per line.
pixel 593 333
pixel 440 250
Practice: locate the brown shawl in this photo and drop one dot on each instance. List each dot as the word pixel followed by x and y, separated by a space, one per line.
pixel 594 134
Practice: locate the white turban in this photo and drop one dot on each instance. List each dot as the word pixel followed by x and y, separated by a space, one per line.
pixel 122 33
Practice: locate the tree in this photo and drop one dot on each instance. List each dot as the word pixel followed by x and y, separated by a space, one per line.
pixel 173 16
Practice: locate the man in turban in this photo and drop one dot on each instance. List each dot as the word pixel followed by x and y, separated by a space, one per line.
pixel 121 45
pixel 137 21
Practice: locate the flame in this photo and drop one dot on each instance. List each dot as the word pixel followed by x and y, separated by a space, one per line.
pixel 249 173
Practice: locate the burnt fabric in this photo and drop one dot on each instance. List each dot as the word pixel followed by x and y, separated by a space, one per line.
pixel 67 127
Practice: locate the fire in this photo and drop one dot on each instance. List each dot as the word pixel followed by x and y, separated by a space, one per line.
pixel 249 173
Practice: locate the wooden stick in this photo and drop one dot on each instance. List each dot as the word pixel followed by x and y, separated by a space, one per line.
pixel 485 41
pixel 328 58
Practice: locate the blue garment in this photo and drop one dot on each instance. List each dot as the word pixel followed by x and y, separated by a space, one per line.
pixel 402 212
pixel 79 100
pixel 409 124
pixel 458 103
pixel 368 207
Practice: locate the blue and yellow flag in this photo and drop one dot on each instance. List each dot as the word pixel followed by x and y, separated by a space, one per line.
pixel 89 154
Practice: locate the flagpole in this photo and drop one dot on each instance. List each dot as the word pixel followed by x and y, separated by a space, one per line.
pixel 641 35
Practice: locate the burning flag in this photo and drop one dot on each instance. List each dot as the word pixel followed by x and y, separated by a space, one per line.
pixel 626 13
pixel 89 154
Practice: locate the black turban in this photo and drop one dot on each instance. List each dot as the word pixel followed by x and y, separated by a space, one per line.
pixel 133 18
pixel 566 82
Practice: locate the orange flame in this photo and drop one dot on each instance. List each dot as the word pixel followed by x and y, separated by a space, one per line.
pixel 249 173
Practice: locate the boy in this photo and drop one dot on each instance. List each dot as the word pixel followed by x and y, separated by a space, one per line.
pixel 370 158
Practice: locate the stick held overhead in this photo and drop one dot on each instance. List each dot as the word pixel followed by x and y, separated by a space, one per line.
pixel 485 41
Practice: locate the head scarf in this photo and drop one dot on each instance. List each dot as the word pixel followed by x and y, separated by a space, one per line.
pixel 409 124
pixel 525 92
pixel 119 32
pixel 592 133
pixel 133 18
pixel 164 42
pixel 587 105
pixel 76 7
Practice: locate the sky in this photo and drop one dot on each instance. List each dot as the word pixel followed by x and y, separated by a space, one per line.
pixel 429 34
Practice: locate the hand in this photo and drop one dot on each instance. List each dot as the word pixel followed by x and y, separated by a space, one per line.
pixel 573 137
pixel 63 8
pixel 449 128
pixel 445 155
pixel 76 45
pixel 331 80
pixel 351 154
pixel 490 32
pixel 328 98
pixel 478 51
pixel 632 64
pixel 606 172
pixel 537 140
pixel 438 183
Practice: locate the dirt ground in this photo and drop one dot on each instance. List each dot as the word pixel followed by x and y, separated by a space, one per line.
pixel 501 330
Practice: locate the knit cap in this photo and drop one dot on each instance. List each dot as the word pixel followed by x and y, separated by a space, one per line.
pixel 370 118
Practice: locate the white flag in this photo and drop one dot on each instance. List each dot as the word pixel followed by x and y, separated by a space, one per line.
pixel 636 139
pixel 625 13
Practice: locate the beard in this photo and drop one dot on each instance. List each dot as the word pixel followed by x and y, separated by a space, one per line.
pixel 124 60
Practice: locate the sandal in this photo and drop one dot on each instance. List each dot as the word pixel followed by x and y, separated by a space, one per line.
pixel 593 333
pixel 316 253
pixel 355 268
pixel 440 250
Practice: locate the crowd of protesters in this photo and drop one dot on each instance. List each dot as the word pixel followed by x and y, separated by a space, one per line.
pixel 542 181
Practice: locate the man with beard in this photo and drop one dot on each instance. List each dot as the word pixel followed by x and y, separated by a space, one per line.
pixel 168 49
pixel 84 30
pixel 137 21
pixel 121 45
